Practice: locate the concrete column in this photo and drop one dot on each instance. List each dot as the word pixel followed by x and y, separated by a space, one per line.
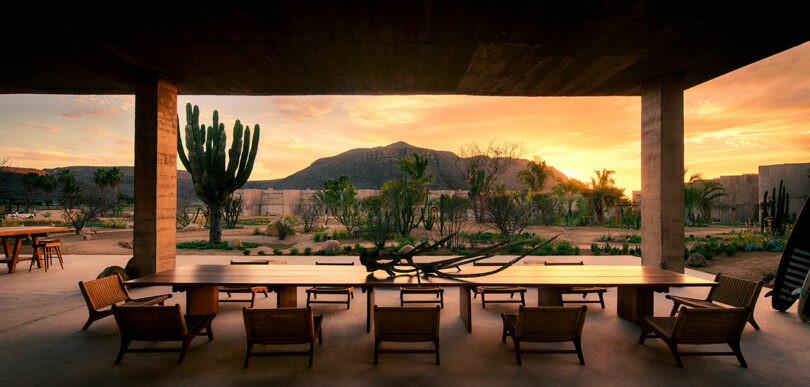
pixel 662 202
pixel 155 175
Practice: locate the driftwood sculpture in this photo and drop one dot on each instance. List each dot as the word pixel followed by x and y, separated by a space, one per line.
pixel 396 264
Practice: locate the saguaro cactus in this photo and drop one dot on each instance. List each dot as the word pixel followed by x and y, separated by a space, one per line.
pixel 213 182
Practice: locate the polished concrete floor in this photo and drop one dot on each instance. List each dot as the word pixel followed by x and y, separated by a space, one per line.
pixel 41 343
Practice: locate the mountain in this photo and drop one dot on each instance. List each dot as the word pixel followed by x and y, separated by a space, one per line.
pixel 367 167
pixel 370 167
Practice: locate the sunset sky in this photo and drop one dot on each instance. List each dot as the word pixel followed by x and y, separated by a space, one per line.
pixel 757 115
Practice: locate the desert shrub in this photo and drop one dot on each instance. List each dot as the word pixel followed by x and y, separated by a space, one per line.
pixel 606 238
pixel 250 245
pixel 277 252
pixel 767 277
pixel 246 252
pixel 340 233
pixel 203 245
pixel 320 252
pixel 286 226
pixel 402 241
pixel 625 248
pixel 752 246
pixel 261 252
pixel 347 249
pixel 730 249
pixel 256 231
pixel 635 238
pixel 308 251
pixel 564 248
pixel 773 245
pixel 293 251
pixel 595 249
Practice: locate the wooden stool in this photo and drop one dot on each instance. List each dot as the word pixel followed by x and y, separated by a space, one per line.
pixel 437 291
pixel 313 292
pixel 46 249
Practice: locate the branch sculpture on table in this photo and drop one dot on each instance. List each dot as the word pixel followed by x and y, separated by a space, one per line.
pixel 403 264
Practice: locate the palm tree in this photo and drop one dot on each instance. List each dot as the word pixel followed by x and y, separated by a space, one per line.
pixel 47 184
pixel 415 170
pixel 114 178
pixel 30 181
pixel 569 191
pixel 604 193
pixel 534 175
pixel 698 197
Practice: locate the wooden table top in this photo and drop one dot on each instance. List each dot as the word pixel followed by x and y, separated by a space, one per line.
pixel 28 230
pixel 523 275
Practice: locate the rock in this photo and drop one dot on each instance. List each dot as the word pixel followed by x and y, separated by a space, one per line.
pixel 126 244
pixel 405 249
pixel 331 246
pixel 272 229
pixel 235 243
pixel 194 227
pixel 133 271
pixel 696 260
pixel 113 270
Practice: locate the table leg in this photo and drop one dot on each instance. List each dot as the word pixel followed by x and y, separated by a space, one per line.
pixel 549 296
pixel 6 247
pixel 465 306
pixel 634 302
pixel 202 299
pixel 15 255
pixel 369 307
pixel 35 240
pixel 287 296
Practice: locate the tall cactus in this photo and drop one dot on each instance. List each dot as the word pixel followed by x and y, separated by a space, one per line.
pixel 213 182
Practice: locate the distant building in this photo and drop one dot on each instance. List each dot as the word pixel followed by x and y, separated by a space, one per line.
pixel 744 193
pixel 272 203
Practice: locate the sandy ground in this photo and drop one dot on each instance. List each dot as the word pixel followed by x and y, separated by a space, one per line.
pixel 106 242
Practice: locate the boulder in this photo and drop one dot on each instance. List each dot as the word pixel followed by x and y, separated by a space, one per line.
pixel 133 271
pixel 235 243
pixel 194 227
pixel 405 249
pixel 331 246
pixel 272 229
pixel 125 244
pixel 696 260
pixel 113 270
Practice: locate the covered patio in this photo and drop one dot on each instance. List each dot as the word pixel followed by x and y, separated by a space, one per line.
pixel 42 338
pixel 156 51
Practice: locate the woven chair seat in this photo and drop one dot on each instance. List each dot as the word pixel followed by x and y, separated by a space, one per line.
pixel 145 301
pixel 500 289
pixel 693 302
pixel 241 289
pixel 586 289
pixel 421 289
pixel 330 289
pixel 664 325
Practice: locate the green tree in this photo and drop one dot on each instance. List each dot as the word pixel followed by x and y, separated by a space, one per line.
pixel 604 193
pixel 534 175
pixel 47 184
pixel 698 196
pixel 571 192
pixel 340 199
pixel 214 181
pixel 511 213
pixel 30 182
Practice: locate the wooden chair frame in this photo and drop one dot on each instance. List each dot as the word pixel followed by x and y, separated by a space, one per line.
pixel 685 329
pixel 386 317
pixel 437 291
pixel 510 290
pixel 514 325
pixel 348 291
pixel 313 330
pixel 583 290
pixel 181 327
pixel 45 249
pixel 253 290
pixel 107 291
pixel 731 291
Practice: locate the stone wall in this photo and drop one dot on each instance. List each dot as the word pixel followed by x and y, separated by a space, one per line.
pixel 796 178
pixel 740 203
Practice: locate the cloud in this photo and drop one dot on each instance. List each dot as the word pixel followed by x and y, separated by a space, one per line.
pixel 300 108
pixel 101 132
pixel 49 128
pixel 94 113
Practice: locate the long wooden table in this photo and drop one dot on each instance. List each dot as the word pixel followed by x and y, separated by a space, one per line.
pixel 18 234
pixel 636 284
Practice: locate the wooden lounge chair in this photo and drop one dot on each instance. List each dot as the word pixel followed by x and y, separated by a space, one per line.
pixel 406 324
pixel 545 324
pixel 730 291
pixel 313 292
pixel 253 290
pixel 281 326
pixel 583 290
pixel 104 292
pixel 159 323
pixel 436 291
pixel 510 290
pixel 699 326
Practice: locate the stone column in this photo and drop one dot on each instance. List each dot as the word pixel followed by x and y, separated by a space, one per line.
pixel 155 175
pixel 662 169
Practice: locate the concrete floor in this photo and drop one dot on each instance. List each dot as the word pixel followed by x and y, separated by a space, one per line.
pixel 42 343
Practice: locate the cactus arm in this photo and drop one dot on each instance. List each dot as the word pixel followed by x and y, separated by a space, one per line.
pixel 248 167
pixel 180 152
pixel 234 154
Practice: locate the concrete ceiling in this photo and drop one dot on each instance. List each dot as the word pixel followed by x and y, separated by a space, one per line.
pixel 532 48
